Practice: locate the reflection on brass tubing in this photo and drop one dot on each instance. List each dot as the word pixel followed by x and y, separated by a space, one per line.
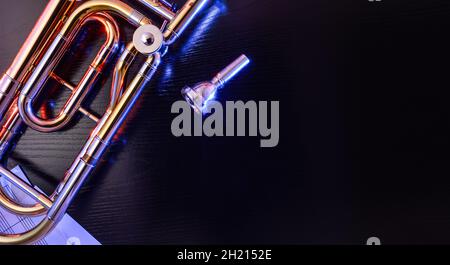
pixel 98 142
pixel 127 100
pixel 10 128
pixel 72 105
pixel 159 8
pixel 72 88
pixel 55 10
pixel 37 41
pixel 120 71
pixel 26 188
pixel 6 83
pixel 7 135
pixel 44 55
pixel 12 206
pixel 114 6
pixel 182 19
pixel 31 236
pixel 32 88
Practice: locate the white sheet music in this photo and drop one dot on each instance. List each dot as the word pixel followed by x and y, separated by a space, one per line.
pixel 67 232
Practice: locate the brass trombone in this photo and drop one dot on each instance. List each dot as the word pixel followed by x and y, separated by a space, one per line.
pixel 23 83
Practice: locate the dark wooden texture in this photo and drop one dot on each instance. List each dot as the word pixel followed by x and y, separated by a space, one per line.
pixel 364 130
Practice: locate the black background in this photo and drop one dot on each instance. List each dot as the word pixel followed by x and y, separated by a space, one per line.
pixel 364 130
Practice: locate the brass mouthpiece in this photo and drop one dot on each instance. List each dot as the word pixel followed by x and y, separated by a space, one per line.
pixel 199 95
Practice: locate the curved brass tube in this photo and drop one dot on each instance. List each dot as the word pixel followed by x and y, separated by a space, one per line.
pixel 31 236
pixel 112 33
pixel 120 72
pixel 73 104
pixel 33 86
pixel 101 137
pixel 121 102
pixel 8 132
pixel 159 8
pixel 12 206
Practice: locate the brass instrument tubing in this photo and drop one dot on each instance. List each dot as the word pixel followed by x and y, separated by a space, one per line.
pixel 73 105
pixel 43 31
pixel 121 102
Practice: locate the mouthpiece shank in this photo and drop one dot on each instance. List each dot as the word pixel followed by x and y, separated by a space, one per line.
pixel 230 71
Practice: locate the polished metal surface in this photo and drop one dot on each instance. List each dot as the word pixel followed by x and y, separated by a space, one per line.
pixel 53 35
pixel 199 95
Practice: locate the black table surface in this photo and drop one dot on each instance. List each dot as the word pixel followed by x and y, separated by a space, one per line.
pixel 364 130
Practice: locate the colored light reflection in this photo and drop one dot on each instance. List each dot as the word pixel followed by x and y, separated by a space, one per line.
pixel 205 25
